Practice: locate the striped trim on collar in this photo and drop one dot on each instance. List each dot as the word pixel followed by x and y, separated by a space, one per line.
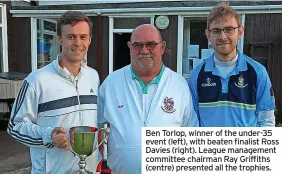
pixel 144 87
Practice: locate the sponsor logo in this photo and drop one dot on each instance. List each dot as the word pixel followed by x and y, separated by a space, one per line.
pixel 209 83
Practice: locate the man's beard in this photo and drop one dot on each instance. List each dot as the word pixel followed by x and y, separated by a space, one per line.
pixel 141 65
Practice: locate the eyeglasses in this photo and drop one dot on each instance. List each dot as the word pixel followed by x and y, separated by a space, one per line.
pixel 137 46
pixel 228 31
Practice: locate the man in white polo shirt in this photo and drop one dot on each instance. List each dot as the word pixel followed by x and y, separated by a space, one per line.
pixel 144 93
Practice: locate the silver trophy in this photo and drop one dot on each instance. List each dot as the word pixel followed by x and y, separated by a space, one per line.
pixel 84 141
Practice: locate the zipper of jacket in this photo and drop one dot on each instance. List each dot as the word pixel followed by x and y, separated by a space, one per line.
pixel 80 110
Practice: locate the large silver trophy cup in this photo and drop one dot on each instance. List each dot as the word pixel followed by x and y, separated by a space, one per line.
pixel 84 141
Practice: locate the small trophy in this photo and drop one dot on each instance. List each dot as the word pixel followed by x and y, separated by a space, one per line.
pixel 84 140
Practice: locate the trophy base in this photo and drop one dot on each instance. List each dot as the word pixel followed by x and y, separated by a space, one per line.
pixel 86 172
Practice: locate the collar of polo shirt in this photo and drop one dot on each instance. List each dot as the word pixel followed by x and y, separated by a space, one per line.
pixel 142 84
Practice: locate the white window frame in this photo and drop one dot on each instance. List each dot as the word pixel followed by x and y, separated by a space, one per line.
pixel 112 31
pixel 180 37
pixel 3 25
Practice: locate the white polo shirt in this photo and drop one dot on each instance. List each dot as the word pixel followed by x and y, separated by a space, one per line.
pixel 146 92
pixel 123 104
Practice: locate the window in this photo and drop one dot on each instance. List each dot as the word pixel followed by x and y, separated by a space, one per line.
pixel 3 39
pixel 47 46
pixel 121 28
pixel 196 47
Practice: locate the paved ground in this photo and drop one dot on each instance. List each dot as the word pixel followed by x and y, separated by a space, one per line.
pixel 14 156
pixel 20 171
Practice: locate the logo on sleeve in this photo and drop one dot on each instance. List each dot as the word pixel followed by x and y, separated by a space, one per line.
pixel 168 105
pixel 241 83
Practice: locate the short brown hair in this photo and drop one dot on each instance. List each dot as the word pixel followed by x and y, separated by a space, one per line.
pixel 72 18
pixel 221 10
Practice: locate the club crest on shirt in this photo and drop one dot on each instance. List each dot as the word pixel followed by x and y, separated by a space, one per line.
pixel 241 83
pixel 168 105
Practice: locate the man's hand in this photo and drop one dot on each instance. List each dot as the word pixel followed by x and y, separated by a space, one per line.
pixel 59 138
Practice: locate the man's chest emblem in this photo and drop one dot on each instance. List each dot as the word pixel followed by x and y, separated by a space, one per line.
pixel 241 83
pixel 168 105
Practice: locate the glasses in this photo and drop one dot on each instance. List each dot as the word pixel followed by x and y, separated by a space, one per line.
pixel 228 31
pixel 149 45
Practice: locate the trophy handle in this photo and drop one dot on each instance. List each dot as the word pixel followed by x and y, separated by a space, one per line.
pixel 72 152
pixel 105 135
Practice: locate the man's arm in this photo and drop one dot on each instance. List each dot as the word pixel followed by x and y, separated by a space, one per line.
pixel 193 88
pixel 190 118
pixel 101 119
pixel 265 101
pixel 22 125
pixel 194 94
pixel 266 118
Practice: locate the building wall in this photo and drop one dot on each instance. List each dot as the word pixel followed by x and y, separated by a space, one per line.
pixel 17 48
pixel 92 51
pixel 21 49
pixel 18 31
pixel 102 46
pixel 170 36
pixel 263 42
pixel 64 2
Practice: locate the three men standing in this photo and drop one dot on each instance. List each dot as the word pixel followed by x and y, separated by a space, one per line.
pixel 228 89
